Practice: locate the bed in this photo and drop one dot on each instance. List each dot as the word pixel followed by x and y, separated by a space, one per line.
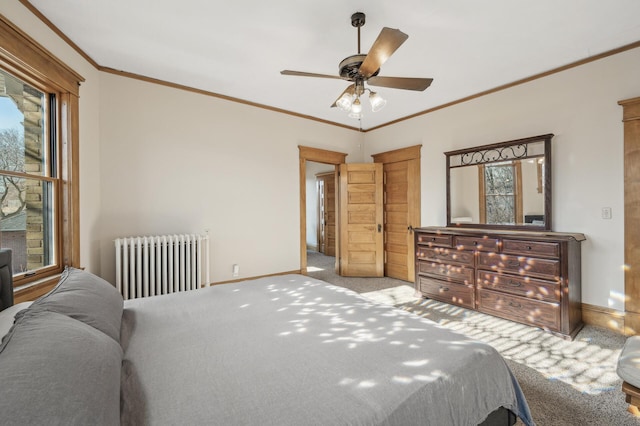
pixel 286 350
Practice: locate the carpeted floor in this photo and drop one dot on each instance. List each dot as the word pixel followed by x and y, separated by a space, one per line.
pixel 565 382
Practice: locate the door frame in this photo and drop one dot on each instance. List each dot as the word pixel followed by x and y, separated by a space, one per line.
pixel 319 156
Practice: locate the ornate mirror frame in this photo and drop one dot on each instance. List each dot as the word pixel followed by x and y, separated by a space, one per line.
pixel 510 152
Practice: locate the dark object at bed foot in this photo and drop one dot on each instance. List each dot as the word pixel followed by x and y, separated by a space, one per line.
pixel 500 417
pixel 633 398
pixel 6 279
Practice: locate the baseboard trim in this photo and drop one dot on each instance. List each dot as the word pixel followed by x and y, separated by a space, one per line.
pixel 608 318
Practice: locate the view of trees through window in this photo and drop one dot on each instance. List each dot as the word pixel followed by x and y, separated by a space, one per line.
pixel 500 193
pixel 26 185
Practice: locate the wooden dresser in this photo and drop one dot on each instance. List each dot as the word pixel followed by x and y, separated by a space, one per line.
pixel 528 277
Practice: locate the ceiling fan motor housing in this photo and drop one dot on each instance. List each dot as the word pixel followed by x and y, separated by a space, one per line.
pixel 350 67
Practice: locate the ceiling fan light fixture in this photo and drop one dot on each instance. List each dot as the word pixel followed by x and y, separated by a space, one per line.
pixel 345 102
pixel 356 109
pixel 377 101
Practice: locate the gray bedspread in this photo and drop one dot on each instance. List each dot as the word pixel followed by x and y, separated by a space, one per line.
pixel 293 350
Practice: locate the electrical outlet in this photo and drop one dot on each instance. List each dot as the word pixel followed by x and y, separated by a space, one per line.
pixel 236 270
pixel 606 212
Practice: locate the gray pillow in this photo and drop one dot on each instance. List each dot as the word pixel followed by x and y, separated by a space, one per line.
pixel 87 298
pixel 55 370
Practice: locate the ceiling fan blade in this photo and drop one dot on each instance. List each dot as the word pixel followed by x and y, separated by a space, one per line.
pixel 387 42
pixel 309 74
pixel 350 90
pixel 406 83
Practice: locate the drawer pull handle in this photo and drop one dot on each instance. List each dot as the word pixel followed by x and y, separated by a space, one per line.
pixel 515 284
pixel 433 238
pixel 475 243
pixel 444 288
pixel 515 263
pixel 528 247
pixel 515 305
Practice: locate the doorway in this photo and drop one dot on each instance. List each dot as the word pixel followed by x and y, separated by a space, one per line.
pixel 401 205
pixel 306 155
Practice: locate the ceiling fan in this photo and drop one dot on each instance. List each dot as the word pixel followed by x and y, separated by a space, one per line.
pixel 361 68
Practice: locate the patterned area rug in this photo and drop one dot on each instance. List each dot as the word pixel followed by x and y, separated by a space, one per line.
pixel 565 382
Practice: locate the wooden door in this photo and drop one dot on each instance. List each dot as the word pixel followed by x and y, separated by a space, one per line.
pixel 327 213
pixel 401 210
pixel 361 220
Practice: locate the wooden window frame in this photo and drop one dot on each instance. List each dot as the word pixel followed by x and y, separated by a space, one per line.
pixel 23 57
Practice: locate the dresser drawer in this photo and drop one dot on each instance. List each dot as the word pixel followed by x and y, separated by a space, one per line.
pixel 447 272
pixel 458 294
pixel 445 255
pixel 477 243
pixel 535 248
pixel 440 240
pixel 543 268
pixel 520 286
pixel 528 311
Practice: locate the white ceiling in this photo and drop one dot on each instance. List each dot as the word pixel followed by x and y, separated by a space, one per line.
pixel 238 48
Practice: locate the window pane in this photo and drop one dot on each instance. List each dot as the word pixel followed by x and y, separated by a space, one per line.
pixel 26 224
pixel 500 180
pixel 22 127
pixel 500 209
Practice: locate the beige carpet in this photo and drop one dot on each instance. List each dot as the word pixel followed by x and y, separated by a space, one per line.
pixel 565 382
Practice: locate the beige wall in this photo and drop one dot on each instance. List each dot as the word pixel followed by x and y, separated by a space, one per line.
pixel 580 107
pixel 465 190
pixel 174 161
pixel 156 160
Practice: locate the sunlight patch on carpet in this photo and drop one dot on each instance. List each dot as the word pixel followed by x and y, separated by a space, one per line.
pixel 582 363
pixel 392 296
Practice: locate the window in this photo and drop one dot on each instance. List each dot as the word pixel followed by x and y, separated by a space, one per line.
pixel 501 193
pixel 27 175
pixel 38 158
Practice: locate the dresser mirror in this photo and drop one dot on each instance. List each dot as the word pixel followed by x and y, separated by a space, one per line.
pixel 505 185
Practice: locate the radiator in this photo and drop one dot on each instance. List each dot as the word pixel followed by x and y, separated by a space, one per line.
pixel 162 264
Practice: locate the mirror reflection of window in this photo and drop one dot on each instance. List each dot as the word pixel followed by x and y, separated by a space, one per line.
pixel 501 193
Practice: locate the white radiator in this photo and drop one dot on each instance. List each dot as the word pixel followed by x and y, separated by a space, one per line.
pixel 162 264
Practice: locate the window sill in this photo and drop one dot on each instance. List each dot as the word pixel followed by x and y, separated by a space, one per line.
pixel 35 289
